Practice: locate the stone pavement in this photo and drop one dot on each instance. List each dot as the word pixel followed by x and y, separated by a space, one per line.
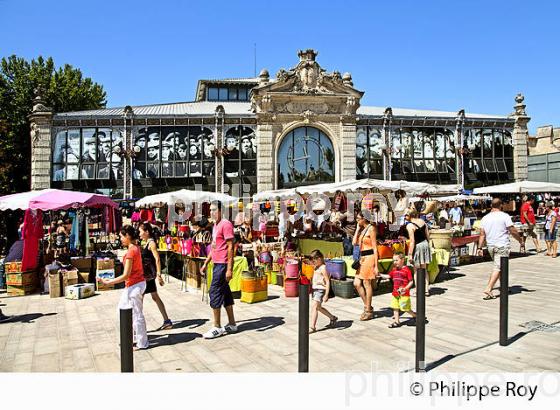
pixel 58 335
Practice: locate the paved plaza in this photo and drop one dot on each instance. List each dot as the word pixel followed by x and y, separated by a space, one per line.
pixel 58 335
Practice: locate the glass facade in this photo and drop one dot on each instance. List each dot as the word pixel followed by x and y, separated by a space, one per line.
pixel 174 152
pixel 488 155
pixel 305 156
pixel 240 160
pixel 87 154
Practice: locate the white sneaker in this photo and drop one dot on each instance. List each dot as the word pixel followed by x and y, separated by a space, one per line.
pixel 214 333
pixel 230 328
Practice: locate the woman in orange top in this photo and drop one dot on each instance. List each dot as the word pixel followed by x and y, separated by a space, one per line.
pixel 366 238
pixel 133 277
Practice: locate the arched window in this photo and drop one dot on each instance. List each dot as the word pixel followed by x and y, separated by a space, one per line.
pixel 305 157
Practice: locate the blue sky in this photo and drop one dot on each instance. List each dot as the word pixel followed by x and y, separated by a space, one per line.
pixel 443 55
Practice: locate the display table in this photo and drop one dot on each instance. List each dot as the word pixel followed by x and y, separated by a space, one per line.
pixel 328 248
pixel 240 265
pixel 385 265
pixel 464 240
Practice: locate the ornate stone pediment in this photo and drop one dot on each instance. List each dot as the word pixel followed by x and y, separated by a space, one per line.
pixel 306 88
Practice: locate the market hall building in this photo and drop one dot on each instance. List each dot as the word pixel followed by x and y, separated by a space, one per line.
pixel 242 136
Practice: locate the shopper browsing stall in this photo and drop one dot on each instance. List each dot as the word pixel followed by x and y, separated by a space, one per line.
pixel 321 286
pixel 419 251
pixel 366 267
pixel 527 216
pixel 152 271
pixel 550 230
pixel 402 283
pixel 133 277
pixel 495 230
pixel 222 257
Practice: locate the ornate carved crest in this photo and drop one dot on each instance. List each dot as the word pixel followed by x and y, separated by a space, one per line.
pixel 34 134
pixel 307 87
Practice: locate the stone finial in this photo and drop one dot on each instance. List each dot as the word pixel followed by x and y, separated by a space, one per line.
pixel 519 107
pixel 128 112
pixel 38 102
pixel 220 111
pixel 307 55
pixel 264 76
pixel 347 79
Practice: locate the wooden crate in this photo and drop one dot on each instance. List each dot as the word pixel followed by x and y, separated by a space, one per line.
pixel 21 278
pixel 21 290
pixel 12 267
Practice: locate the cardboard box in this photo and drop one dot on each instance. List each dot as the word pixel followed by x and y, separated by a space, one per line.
pixel 55 290
pixel 21 290
pixel 21 279
pixel 12 267
pixel 82 291
pixel 81 264
pixel 454 261
pixel 105 264
pixel 69 277
pixel 463 250
pixel 83 277
pixel 102 288
pixel 106 273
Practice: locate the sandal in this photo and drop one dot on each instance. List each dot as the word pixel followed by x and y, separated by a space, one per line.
pixel 312 330
pixel 394 325
pixel 367 315
pixel 488 296
pixel 332 322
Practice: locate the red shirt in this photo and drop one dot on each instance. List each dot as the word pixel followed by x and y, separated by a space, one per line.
pixel 401 278
pixel 137 272
pixel 526 207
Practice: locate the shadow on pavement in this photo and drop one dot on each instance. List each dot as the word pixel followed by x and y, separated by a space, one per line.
pixel 170 339
pixel 340 325
pixel 435 290
pixel 29 317
pixel 191 324
pixel 384 312
pixel 260 324
pixel 516 289
pixel 447 358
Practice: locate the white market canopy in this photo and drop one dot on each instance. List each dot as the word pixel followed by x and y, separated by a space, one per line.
pixel 281 194
pixel 463 197
pixel 519 188
pixel 411 188
pixel 183 196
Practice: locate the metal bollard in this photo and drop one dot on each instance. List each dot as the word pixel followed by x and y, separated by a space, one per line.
pixel 504 296
pixel 303 333
pixel 127 357
pixel 420 320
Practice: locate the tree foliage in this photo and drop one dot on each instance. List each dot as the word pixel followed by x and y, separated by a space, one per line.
pixel 63 89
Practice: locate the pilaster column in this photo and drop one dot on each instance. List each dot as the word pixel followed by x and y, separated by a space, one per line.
pixel 387 143
pixel 40 121
pixel 219 159
pixel 459 159
pixel 265 157
pixel 520 137
pixel 348 144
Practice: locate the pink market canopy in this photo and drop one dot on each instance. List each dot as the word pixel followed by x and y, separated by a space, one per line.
pixel 54 199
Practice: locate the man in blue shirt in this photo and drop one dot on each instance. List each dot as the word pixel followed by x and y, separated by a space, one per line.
pixel 456 215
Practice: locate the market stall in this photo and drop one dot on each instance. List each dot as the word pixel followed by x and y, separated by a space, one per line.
pixel 67 250
pixel 186 233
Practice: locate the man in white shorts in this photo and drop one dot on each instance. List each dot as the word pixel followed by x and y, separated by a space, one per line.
pixel 495 230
